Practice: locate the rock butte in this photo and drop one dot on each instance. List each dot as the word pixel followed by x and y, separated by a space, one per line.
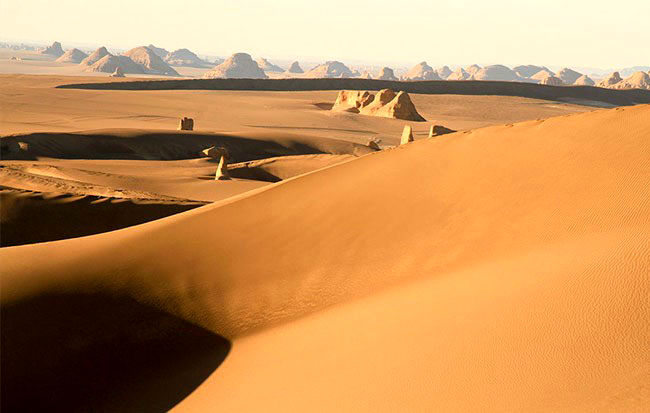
pixel 53 50
pixel 610 80
pixel 72 56
pixel 386 73
pixel 386 103
pixel 152 63
pixel 295 68
pixel 552 81
pixel 584 80
pixel 237 66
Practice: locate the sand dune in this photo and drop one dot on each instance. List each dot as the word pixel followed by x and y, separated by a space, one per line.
pixel 440 275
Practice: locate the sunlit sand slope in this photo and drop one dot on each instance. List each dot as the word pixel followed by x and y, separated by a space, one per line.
pixel 504 268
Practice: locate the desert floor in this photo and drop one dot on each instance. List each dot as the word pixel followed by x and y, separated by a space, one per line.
pixel 500 268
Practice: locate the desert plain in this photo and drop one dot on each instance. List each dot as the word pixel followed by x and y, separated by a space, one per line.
pixel 501 267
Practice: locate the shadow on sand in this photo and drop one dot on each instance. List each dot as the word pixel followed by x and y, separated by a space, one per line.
pixel 73 352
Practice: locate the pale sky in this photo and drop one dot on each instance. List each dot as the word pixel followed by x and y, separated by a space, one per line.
pixel 597 33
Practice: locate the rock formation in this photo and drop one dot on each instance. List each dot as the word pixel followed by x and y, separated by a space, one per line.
pixel 185 57
pixel 526 71
pixel 551 81
pixel 610 80
pixel 568 76
pixel 496 72
pixel 152 63
pixel 443 72
pixel 473 69
pixel 117 73
pixel 407 135
pixel 237 66
pixel 95 56
pixel 72 56
pixel 437 130
pixel 541 75
pixel 221 154
pixel 584 80
pixel 186 123
pixel 352 100
pixel 159 51
pixel 110 63
pixel 365 75
pixel 639 80
pixel 386 103
pixel 459 74
pixel 386 73
pixel 295 68
pixel 421 71
pixel 267 66
pixel 373 143
pixel 330 69
pixel 54 49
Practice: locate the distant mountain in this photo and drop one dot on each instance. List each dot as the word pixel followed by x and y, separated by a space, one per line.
pixel 330 69
pixel 638 80
pixel 185 57
pixel 529 70
pixel 459 74
pixel 584 80
pixel 568 76
pixel 54 49
pixel 153 64
pixel 295 68
pixel 497 72
pixel 267 66
pixel 111 63
pixel 422 71
pixel 162 53
pixel 237 66
pixel 386 73
pixel 95 56
pixel 72 56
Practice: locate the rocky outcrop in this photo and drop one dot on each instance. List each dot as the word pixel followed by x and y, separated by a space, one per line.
pixel 421 71
pixel 72 56
pixel 95 56
pixel 473 69
pixel 267 66
pixel 437 130
pixel 568 76
pixel 110 63
pixel 584 80
pixel 459 74
pixel 610 80
pixel 185 123
pixel 407 135
pixel 330 69
pixel 386 73
pixel 221 154
pixel 152 63
pixel 639 80
pixel 541 75
pixel 373 143
pixel 386 103
pixel 237 66
pixel 117 73
pixel 54 49
pixel 365 75
pixel 295 68
pixel 185 57
pixel 496 72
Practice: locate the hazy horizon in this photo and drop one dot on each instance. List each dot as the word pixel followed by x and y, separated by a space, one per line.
pixel 553 33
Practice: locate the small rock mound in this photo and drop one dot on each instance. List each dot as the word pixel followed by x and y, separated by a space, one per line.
pixel 295 68
pixel 437 130
pixel 186 123
pixel 421 71
pixel 152 63
pixel 237 66
pixel 386 73
pixel 95 56
pixel 373 143
pixel 610 80
pixel 54 49
pixel 117 73
pixel 267 66
pixel 386 103
pixel 330 69
pixel 184 57
pixel 72 56
pixel 584 80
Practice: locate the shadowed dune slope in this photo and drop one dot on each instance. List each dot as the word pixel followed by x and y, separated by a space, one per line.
pixel 462 87
pixel 503 268
pixel 167 145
